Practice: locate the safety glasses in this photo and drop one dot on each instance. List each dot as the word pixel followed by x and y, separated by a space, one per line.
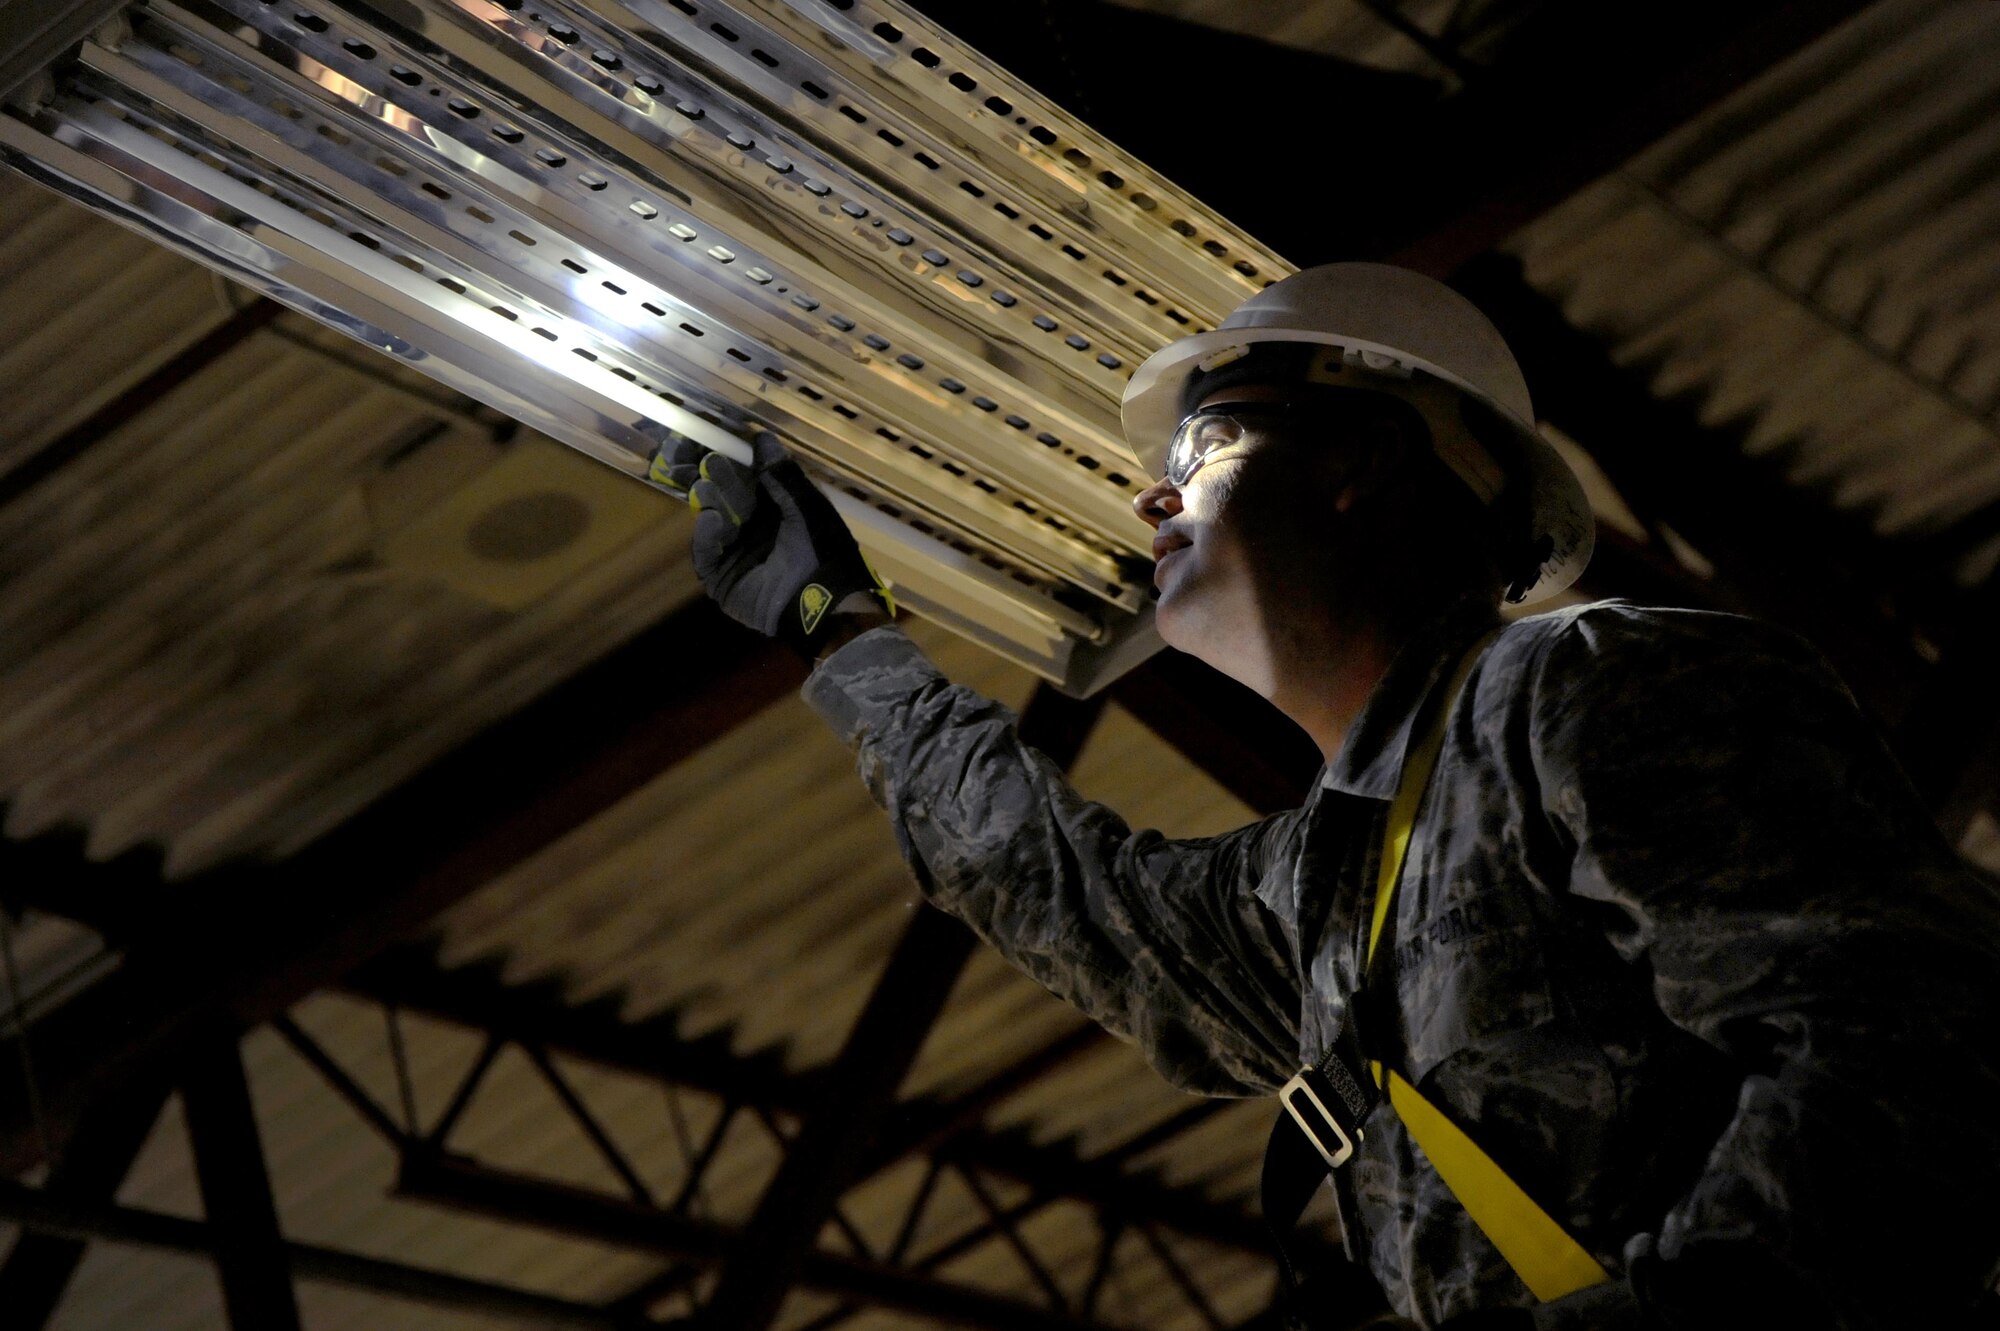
pixel 1213 427
pixel 1221 424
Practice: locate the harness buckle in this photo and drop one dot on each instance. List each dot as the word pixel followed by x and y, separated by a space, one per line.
pixel 1322 1115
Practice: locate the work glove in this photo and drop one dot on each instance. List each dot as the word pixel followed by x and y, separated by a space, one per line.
pixel 768 546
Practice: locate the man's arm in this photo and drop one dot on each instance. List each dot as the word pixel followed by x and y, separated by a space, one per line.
pixel 1796 908
pixel 1163 942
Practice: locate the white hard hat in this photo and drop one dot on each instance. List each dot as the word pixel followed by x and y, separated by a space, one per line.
pixel 1395 323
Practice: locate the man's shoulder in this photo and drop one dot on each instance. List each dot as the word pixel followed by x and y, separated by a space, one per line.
pixel 1611 673
pixel 1611 635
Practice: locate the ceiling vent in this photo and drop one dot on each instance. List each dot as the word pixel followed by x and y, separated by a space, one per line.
pixel 648 216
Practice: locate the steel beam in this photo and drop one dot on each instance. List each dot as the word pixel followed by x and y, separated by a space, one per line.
pixel 1248 156
pixel 34 33
pixel 205 351
pixel 1013 1217
pixel 249 1250
pixel 918 1127
pixel 822 1159
pixel 1059 725
pixel 1578 88
pixel 827 1155
pixel 1581 88
pixel 39 1267
pixel 41 1213
pixel 476 998
pixel 1257 754
pixel 409 978
pixel 521 1200
pixel 498 799
pixel 1063 1173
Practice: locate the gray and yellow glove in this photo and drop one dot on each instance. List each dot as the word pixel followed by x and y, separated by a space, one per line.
pixel 768 546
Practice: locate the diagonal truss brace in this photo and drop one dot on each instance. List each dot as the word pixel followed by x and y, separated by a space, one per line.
pixel 1050 1172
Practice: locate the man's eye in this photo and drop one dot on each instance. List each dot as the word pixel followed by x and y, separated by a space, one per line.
pixel 1219 451
pixel 1215 433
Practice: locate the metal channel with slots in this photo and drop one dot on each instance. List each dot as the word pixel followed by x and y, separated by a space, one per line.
pixel 642 217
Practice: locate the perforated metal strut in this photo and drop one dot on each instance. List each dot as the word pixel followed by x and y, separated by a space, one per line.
pixel 825 218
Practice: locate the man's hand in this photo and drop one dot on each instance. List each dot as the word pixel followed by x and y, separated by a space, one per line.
pixel 767 545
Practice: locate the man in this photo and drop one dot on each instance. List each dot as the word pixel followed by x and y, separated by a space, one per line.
pixel 1673 969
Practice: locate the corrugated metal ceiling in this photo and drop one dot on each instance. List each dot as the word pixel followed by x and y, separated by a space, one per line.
pixel 1815 259
pixel 286 586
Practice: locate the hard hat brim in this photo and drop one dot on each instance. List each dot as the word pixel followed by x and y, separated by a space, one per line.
pixel 1151 411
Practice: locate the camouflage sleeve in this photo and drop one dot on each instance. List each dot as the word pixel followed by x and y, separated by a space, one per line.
pixel 1163 942
pixel 1752 846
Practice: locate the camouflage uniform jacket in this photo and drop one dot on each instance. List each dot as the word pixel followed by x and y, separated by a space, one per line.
pixel 1683 951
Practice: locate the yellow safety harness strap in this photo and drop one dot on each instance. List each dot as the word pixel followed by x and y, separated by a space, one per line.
pixel 1549 1262
pixel 1542 1253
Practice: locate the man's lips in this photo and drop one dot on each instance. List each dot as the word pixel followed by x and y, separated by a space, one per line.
pixel 1163 549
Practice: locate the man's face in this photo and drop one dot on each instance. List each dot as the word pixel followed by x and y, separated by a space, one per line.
pixel 1230 540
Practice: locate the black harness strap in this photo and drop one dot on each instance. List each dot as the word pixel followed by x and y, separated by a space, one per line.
pixel 1325 1106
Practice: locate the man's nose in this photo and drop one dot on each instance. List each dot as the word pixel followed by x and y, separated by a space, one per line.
pixel 1157 502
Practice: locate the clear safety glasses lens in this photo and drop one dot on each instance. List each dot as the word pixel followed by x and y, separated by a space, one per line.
pixel 1198 436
